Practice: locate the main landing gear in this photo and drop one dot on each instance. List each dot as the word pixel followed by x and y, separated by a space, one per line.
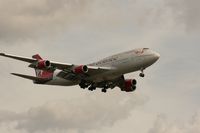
pixel 142 73
pixel 105 89
pixel 91 88
pixel 83 84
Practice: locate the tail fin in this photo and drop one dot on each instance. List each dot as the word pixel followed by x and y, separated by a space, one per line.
pixel 37 57
pixel 46 74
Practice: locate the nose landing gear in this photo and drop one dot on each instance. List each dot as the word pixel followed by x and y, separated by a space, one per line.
pixel 105 88
pixel 142 73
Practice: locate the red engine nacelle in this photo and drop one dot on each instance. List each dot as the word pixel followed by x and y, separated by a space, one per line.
pixel 43 64
pixel 130 85
pixel 80 69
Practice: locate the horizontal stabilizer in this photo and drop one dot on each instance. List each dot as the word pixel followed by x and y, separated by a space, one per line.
pixel 30 77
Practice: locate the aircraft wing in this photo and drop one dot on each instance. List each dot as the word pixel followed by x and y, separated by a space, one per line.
pixel 62 66
pixel 58 65
pixel 25 59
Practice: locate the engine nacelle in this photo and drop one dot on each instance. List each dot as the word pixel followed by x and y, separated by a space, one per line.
pixel 80 69
pixel 130 85
pixel 43 64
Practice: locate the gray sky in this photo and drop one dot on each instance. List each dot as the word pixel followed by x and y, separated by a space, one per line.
pixel 82 31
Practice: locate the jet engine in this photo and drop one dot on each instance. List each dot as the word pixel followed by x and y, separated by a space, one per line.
pixel 80 69
pixel 43 64
pixel 130 85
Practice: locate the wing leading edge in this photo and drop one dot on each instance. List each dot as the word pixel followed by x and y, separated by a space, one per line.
pixel 25 59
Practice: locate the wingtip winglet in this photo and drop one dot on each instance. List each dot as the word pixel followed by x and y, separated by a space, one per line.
pixel 16 74
pixel 13 74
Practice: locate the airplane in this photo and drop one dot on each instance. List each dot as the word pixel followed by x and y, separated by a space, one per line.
pixel 107 73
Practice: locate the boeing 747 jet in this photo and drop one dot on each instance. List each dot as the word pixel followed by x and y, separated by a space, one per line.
pixel 106 73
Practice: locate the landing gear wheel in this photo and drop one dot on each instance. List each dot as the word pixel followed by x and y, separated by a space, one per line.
pixel 104 90
pixel 142 72
pixel 91 88
pixel 142 75
pixel 94 88
pixel 83 84
pixel 134 88
pixel 134 82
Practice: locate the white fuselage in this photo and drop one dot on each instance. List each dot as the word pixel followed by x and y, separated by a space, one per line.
pixel 122 63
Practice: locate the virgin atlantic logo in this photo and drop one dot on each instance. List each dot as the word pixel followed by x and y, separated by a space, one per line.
pixel 139 52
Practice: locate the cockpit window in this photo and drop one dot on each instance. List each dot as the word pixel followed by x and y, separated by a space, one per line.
pixel 145 49
pixel 141 51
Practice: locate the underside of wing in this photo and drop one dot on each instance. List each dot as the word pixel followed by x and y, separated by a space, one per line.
pixel 92 71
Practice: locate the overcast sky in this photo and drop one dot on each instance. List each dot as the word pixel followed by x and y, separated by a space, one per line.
pixel 83 31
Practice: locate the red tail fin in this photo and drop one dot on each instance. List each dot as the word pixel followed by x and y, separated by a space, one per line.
pixel 37 57
pixel 44 74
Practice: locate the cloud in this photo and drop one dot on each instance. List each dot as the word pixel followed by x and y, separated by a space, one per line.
pixel 163 125
pixel 186 12
pixel 83 114
pixel 32 20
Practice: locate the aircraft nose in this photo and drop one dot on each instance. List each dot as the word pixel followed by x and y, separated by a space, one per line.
pixel 156 55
